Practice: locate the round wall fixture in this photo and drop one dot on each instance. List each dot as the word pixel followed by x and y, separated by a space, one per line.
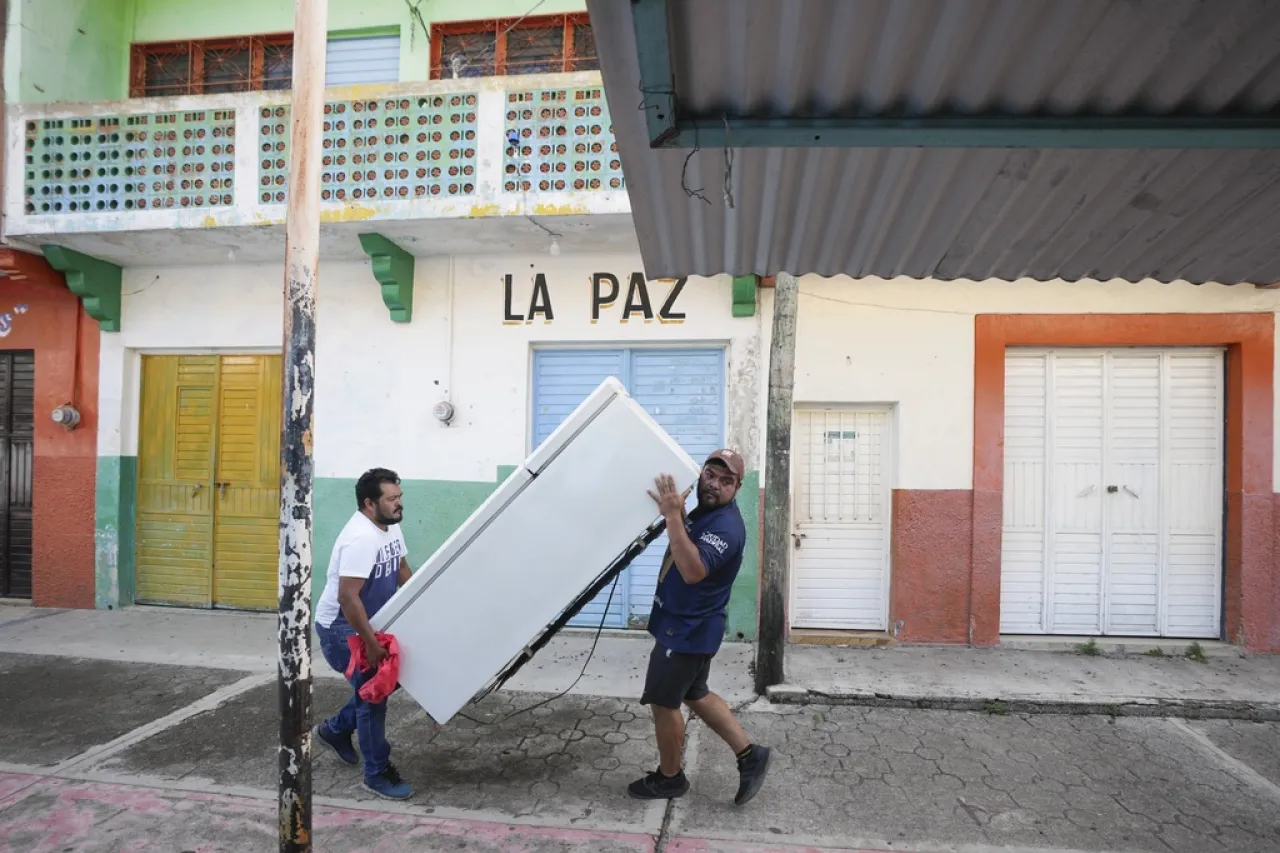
pixel 66 416
pixel 443 412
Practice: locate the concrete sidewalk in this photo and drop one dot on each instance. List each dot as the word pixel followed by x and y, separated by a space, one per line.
pixel 954 678
pixel 1224 684
pixel 247 642
pixel 111 756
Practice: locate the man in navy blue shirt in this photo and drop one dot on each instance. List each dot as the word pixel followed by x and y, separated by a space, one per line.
pixel 687 622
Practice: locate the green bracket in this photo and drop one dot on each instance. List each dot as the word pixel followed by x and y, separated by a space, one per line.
pixel 744 295
pixel 96 282
pixel 393 268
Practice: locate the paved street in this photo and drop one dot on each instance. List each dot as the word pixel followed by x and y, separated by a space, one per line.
pixel 116 756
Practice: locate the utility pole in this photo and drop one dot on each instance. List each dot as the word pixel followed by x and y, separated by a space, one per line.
pixel 777 486
pixel 301 258
pixel 4 132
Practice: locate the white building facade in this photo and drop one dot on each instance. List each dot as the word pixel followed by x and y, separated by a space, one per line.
pixel 971 460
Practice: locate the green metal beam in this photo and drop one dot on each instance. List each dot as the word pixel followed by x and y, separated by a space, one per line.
pixel 95 282
pixel 393 268
pixel 976 132
pixel 668 128
pixel 657 78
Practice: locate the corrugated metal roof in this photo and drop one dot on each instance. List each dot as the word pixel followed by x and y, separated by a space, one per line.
pixel 1056 57
pixel 1198 215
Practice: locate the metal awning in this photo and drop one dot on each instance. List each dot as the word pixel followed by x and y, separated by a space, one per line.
pixel 952 139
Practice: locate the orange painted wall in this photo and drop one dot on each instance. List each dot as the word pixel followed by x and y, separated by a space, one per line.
pixel 65 341
pixel 1252 615
pixel 946 544
pixel 932 568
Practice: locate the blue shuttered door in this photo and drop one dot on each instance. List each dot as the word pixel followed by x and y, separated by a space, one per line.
pixel 369 59
pixel 561 381
pixel 684 392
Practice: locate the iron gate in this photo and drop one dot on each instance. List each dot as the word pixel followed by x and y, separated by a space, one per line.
pixel 17 434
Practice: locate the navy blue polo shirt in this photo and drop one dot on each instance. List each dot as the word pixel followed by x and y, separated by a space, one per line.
pixel 690 618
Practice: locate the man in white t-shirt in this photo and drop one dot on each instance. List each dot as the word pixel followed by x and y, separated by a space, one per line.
pixel 368 565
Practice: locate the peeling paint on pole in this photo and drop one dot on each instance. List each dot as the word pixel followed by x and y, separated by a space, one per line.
pixel 771 643
pixel 302 253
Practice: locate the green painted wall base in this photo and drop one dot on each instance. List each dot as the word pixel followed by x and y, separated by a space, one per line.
pixel 433 509
pixel 114 531
pixel 744 606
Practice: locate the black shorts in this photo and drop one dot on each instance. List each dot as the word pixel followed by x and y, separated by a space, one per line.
pixel 675 677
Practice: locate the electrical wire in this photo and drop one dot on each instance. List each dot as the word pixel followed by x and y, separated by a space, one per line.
pixel 543 227
pixel 487 52
pixel 908 308
pixel 591 653
pixel 141 289
pixel 522 17
pixel 728 164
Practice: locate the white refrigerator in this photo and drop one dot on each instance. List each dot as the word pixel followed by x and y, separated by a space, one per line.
pixel 577 510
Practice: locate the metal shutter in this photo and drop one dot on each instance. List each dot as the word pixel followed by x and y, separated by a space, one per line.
pixel 1194 430
pixel 1023 540
pixel 369 59
pixel 561 381
pixel 683 389
pixel 684 392
pixel 17 436
pixel 1113 493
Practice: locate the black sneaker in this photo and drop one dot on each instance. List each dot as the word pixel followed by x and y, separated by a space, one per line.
pixel 751 772
pixel 655 786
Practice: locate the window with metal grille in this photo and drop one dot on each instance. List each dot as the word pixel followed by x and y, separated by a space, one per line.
pixel 211 66
pixel 541 44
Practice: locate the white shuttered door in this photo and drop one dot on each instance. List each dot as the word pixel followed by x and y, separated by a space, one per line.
pixel 1113 492
pixel 840 564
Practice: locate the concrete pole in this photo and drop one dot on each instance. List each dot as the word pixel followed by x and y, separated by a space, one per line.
pixel 777 487
pixel 301 258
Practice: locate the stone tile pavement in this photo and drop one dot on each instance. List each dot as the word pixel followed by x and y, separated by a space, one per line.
pixel 907 676
pixel 109 764
pixel 903 776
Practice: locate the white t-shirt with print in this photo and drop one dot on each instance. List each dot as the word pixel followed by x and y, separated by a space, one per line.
pixel 363 550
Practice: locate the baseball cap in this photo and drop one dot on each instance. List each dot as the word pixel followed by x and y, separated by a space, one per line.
pixel 731 459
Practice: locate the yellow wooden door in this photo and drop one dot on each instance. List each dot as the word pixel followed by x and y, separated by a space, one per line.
pixel 175 479
pixel 246 540
pixel 208 481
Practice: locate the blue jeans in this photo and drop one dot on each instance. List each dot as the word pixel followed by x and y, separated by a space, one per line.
pixel 367 720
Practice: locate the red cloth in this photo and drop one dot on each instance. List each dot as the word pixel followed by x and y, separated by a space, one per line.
pixel 384 681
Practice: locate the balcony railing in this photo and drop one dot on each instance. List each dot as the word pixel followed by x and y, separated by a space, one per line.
pixel 441 149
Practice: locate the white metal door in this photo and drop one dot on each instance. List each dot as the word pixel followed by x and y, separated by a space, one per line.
pixel 840 564
pixel 1113 492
